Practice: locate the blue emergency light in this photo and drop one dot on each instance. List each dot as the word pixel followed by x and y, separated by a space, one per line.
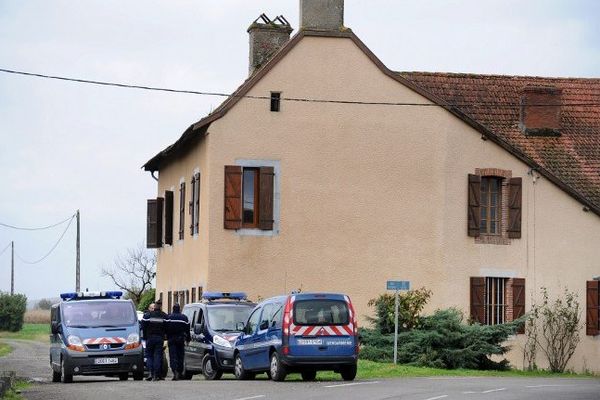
pixel 114 294
pixel 224 295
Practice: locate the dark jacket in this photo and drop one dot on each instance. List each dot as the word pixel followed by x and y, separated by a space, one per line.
pixel 153 324
pixel 178 327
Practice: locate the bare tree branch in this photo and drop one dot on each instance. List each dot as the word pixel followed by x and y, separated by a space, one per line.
pixel 134 272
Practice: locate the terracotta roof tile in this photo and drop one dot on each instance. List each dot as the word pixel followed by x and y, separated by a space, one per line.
pixel 493 101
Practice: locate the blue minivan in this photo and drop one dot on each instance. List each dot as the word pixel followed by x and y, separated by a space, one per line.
pixel 95 333
pixel 305 333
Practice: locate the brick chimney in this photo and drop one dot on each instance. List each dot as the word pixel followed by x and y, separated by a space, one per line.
pixel 540 110
pixel 266 37
pixel 322 15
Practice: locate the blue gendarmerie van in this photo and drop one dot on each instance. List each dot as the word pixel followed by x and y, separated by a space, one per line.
pixel 214 325
pixel 303 333
pixel 95 333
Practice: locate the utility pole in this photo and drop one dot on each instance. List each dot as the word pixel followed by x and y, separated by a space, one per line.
pixel 77 259
pixel 12 268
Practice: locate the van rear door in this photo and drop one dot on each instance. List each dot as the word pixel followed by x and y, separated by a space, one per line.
pixel 321 326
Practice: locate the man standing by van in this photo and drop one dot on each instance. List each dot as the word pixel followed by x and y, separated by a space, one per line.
pixel 178 332
pixel 153 324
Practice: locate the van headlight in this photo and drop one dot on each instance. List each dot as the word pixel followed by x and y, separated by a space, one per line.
pixel 74 343
pixel 220 341
pixel 133 341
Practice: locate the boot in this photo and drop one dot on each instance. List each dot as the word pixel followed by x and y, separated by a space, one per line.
pixel 175 376
pixel 150 378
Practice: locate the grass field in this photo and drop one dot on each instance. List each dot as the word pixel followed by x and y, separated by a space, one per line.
pixel 37 332
pixel 4 349
pixel 37 317
pixel 12 394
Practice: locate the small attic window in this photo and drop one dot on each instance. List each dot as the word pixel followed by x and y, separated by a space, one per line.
pixel 275 101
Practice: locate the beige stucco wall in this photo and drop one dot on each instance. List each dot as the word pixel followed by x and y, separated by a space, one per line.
pixel 368 194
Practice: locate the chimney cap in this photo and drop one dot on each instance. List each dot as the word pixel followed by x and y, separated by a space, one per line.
pixel 264 22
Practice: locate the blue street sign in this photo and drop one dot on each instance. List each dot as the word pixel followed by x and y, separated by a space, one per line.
pixel 398 285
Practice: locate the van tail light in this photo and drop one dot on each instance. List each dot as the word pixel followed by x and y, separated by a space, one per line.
pixel 354 326
pixel 287 316
pixel 285 350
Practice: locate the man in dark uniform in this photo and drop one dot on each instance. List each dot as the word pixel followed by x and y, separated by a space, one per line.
pixel 178 333
pixel 153 324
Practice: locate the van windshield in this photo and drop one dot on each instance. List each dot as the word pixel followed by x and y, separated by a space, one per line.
pixel 224 318
pixel 94 314
pixel 321 312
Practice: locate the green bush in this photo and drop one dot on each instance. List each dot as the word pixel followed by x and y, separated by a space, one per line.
pixel 146 299
pixel 410 305
pixel 442 340
pixel 12 311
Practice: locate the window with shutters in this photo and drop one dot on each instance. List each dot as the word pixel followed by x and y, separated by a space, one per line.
pixel 497 300
pixel 168 229
pixel 494 206
pixel 250 198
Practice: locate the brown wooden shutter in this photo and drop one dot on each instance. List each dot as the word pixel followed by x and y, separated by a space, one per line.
pixel 181 210
pixel 592 308
pixel 474 214
pixel 169 300
pixel 477 299
pixel 514 208
pixel 233 197
pixel 518 288
pixel 265 200
pixel 191 205
pixel 168 217
pixel 154 223
pixel 197 204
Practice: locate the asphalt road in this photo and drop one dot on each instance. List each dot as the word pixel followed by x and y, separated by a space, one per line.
pixel 30 360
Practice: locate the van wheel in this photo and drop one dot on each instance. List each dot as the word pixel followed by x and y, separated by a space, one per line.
pixel 308 375
pixel 210 370
pixel 124 376
pixel 186 374
pixel 56 376
pixel 65 378
pixel 348 372
pixel 239 371
pixel 138 376
pixel 276 368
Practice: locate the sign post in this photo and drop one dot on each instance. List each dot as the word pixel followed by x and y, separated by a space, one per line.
pixel 397 286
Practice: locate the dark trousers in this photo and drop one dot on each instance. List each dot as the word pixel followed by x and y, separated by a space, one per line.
pixel 176 354
pixel 154 346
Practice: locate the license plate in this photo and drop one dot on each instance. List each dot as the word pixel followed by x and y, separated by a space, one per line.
pixel 314 342
pixel 104 361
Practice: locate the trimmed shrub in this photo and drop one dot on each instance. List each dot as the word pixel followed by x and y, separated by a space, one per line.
pixel 12 311
pixel 410 305
pixel 443 340
pixel 146 299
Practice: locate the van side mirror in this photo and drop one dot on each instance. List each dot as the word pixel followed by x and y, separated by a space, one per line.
pixel 198 328
pixel 263 325
pixel 240 327
pixel 54 328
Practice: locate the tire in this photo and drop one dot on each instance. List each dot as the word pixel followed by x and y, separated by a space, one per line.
pixel 276 368
pixel 186 375
pixel 56 376
pixel 138 376
pixel 65 378
pixel 124 376
pixel 210 370
pixel 348 372
pixel 239 371
pixel 308 375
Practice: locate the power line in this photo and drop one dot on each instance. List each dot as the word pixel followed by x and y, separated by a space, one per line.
pixel 6 248
pixel 295 99
pixel 36 229
pixel 51 250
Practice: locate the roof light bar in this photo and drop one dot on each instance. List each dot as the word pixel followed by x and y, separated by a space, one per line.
pixel 224 295
pixel 114 294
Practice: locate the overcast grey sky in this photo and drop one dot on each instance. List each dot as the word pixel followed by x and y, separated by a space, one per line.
pixel 67 146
